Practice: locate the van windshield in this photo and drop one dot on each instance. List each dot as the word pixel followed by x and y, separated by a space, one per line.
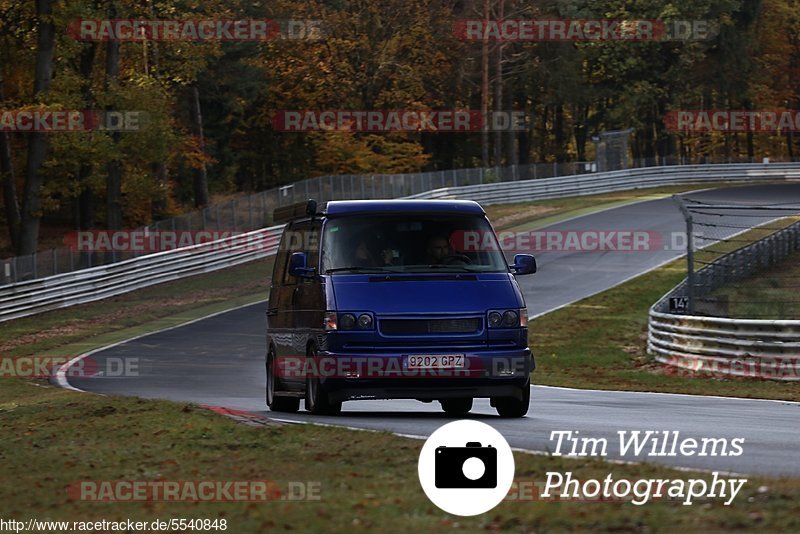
pixel 410 243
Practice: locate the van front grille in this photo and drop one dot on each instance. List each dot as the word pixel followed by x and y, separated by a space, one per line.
pixel 401 327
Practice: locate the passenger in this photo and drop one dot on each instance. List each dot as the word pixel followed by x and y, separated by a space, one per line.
pixel 388 257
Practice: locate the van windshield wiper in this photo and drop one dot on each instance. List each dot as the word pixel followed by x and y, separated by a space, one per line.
pixel 359 268
pixel 465 268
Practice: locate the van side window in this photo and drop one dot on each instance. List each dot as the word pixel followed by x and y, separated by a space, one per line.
pixel 293 238
pixel 279 268
pixel 301 237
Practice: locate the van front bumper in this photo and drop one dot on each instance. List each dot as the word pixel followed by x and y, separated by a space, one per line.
pixel 386 376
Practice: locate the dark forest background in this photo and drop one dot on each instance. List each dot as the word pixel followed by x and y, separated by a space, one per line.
pixel 210 104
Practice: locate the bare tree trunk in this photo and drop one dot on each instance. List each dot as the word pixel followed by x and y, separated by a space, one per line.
pixel 543 137
pixel 9 182
pixel 558 126
pixel 200 174
pixel 160 169
pixel 485 87
pixel 37 145
pixel 113 168
pixel 498 90
pixel 580 112
pixel 86 213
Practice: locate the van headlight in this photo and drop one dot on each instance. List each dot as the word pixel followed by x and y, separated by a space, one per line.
pixel 510 318
pixel 348 321
pixel 514 318
pixel 365 321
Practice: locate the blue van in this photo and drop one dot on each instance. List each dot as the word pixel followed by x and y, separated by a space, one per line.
pixel 395 299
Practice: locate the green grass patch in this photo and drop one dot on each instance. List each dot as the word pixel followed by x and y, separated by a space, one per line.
pixel 53 438
pixel 771 294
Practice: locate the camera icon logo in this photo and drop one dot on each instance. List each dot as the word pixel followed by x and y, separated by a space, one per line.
pixel 472 466
pixel 463 476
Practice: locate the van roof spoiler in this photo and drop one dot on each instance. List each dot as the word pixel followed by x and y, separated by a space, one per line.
pixel 298 210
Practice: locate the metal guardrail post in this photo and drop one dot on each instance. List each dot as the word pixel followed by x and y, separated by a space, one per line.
pixel 690 278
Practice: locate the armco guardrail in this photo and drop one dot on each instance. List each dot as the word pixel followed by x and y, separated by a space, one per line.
pixel 757 348
pixel 59 291
pixel 88 285
pixel 753 348
pixel 592 184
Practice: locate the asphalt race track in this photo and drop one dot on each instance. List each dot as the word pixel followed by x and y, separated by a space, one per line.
pixel 220 361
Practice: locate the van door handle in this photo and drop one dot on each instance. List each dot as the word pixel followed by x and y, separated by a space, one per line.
pixel 294 295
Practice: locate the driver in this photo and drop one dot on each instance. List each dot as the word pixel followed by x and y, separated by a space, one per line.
pixel 362 255
pixel 438 248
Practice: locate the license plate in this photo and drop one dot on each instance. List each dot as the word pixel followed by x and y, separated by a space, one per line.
pixel 436 361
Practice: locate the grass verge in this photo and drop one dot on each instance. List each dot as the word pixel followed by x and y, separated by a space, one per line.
pixel 52 438
pixel 772 294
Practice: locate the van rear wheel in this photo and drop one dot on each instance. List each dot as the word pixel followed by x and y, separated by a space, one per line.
pixel 317 400
pixel 276 403
pixel 456 406
pixel 512 406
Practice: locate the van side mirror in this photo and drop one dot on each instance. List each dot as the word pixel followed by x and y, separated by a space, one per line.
pixel 298 268
pixel 524 264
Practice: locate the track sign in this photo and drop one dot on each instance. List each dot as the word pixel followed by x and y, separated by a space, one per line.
pixel 678 304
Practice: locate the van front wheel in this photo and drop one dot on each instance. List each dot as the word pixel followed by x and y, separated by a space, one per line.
pixel 317 400
pixel 456 406
pixel 512 406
